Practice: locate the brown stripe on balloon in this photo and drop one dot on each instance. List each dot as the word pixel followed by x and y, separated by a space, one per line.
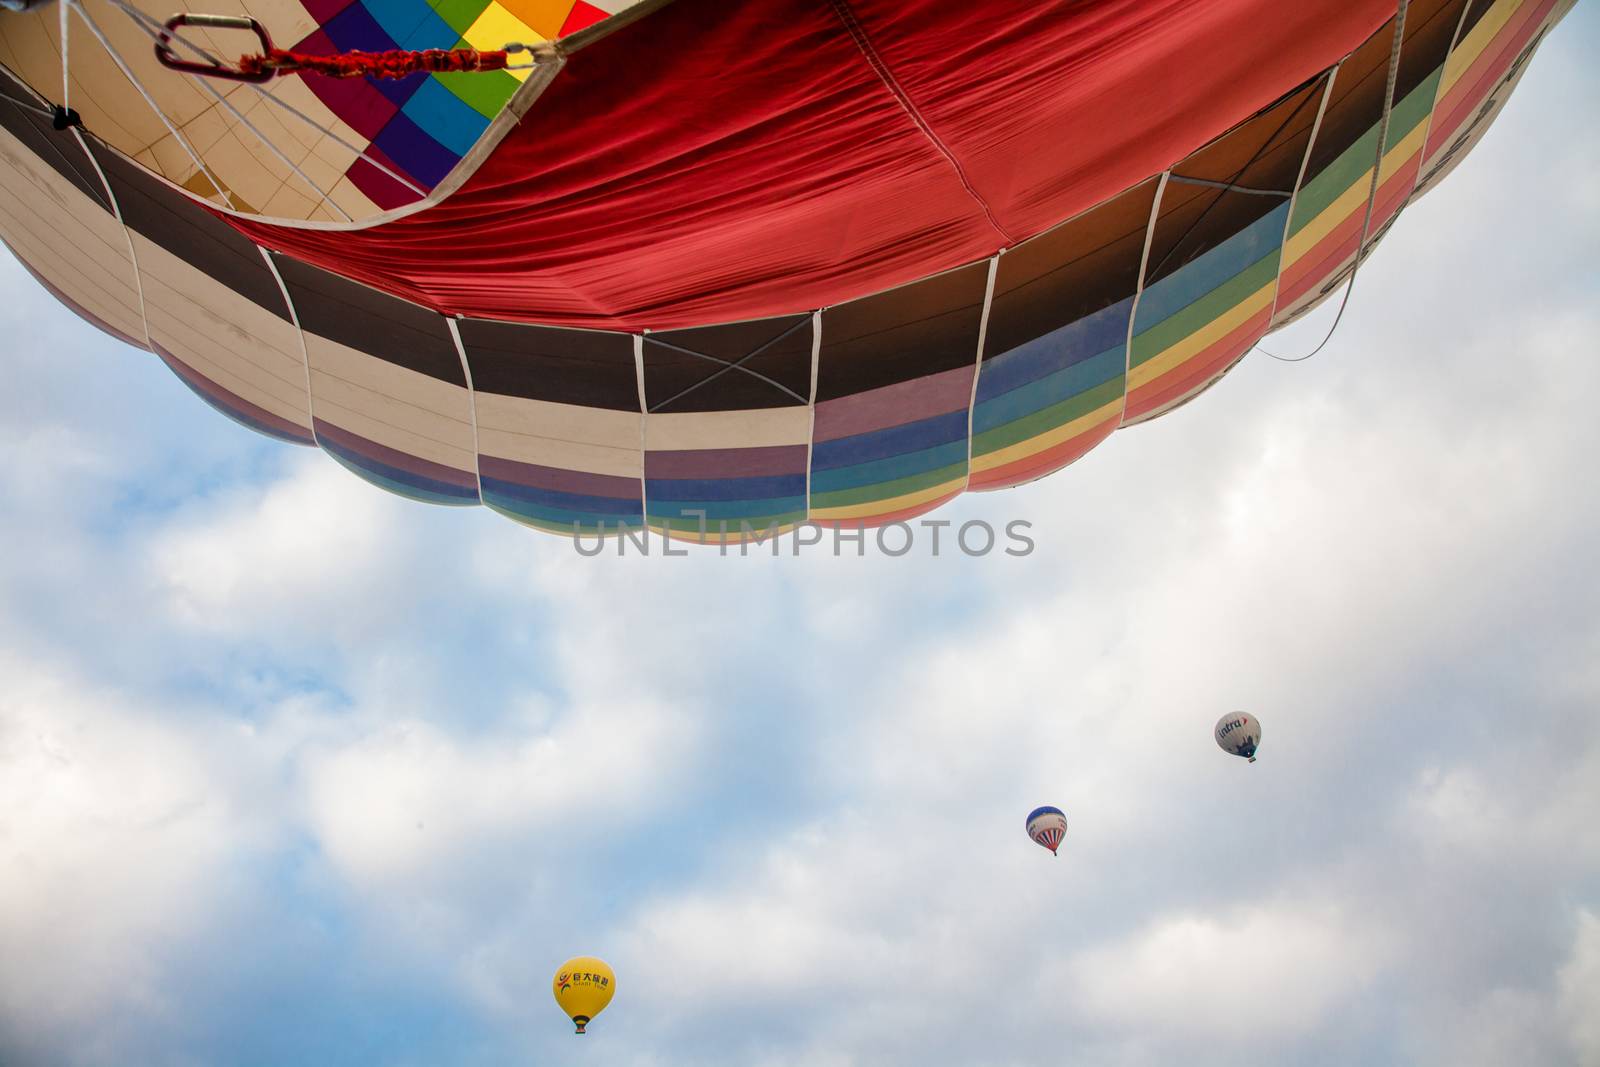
pixel 1356 104
pixel 365 320
pixel 725 462
pixel 902 335
pixel 57 149
pixel 167 218
pixel 740 366
pixel 1261 154
pixel 586 368
pixel 1066 274
pixel 1430 24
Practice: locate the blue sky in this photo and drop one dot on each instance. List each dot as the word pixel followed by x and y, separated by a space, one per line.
pixel 292 771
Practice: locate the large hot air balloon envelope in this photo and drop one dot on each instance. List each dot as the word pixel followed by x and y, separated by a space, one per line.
pixel 729 265
pixel 583 986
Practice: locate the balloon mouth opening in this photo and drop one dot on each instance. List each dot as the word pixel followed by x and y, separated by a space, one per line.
pixel 580 1021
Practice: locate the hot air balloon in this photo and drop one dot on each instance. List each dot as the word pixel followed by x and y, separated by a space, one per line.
pixel 1047 826
pixel 719 269
pixel 583 986
pixel 1239 733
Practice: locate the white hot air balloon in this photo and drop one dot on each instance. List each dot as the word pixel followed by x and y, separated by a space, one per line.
pixel 1239 733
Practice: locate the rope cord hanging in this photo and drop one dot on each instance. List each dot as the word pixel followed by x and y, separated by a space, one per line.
pixel 393 64
pixel 1372 192
pixel 62 117
pixel 272 61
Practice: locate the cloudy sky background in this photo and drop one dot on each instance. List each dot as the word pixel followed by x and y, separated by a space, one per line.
pixel 293 771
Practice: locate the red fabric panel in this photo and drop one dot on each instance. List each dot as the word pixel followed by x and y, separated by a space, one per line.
pixel 716 162
pixel 1055 107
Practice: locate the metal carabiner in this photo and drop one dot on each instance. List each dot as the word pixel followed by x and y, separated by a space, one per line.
pixel 169 58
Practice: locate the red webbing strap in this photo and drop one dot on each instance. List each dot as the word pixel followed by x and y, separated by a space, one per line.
pixel 396 64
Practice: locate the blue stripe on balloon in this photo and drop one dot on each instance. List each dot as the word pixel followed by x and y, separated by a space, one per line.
pixel 890 441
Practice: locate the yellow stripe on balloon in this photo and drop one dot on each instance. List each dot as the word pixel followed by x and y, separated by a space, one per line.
pixel 874 508
pixel 1176 355
pixel 1049 439
pixel 1470 47
pixel 1353 199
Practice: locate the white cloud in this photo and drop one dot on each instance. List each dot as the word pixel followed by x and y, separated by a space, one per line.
pixel 409 796
pixel 1579 989
pixel 810 915
pixel 1248 975
pixel 314 547
pixel 119 834
pixel 1484 817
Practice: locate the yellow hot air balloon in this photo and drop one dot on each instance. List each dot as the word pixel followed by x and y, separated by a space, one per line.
pixel 583 987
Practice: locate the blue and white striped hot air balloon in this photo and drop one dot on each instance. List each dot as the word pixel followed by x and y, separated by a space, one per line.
pixel 1047 826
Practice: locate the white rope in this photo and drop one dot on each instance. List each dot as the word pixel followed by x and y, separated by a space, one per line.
pixel 1230 187
pixel 472 400
pixel 1299 182
pixel 1138 291
pixel 66 67
pixel 816 367
pixel 323 196
pixel 644 441
pixel 1438 92
pixel 154 28
pixel 300 334
pixel 334 136
pixel 23 105
pixel 1372 192
pixel 127 233
pixel 977 360
pixel 162 115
